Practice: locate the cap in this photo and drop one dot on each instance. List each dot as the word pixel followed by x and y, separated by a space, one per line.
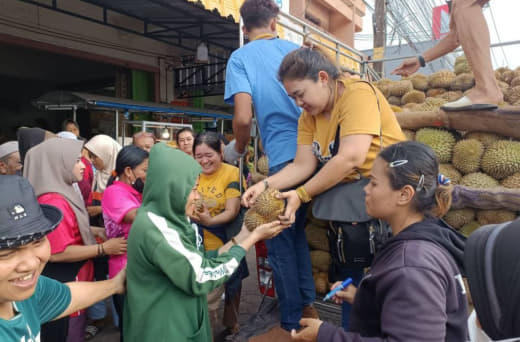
pixel 22 218
pixel 8 148
pixel 67 135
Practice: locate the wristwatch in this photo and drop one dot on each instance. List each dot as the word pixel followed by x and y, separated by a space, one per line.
pixel 422 62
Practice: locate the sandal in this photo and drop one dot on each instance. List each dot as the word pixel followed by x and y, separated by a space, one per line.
pixel 90 332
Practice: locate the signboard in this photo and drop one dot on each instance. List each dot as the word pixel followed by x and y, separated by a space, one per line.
pixel 440 21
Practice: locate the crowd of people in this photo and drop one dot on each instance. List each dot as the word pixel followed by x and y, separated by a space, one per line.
pixel 159 231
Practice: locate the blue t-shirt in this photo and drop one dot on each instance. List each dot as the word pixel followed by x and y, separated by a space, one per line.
pixel 49 300
pixel 253 69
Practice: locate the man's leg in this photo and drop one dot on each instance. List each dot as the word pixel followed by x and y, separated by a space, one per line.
pixel 473 35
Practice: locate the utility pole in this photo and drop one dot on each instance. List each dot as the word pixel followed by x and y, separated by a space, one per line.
pixel 379 34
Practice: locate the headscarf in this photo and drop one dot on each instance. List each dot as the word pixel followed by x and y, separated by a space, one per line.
pixel 171 176
pixel 49 167
pixel 30 137
pixel 107 149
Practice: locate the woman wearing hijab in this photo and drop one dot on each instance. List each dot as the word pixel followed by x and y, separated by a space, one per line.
pixel 53 167
pixel 169 274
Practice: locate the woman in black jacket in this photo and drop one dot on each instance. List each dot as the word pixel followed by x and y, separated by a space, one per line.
pixel 414 289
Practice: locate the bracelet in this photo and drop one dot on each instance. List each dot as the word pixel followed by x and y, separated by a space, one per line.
pixel 102 249
pixel 98 249
pixel 303 195
pixel 234 241
pixel 266 184
pixel 422 62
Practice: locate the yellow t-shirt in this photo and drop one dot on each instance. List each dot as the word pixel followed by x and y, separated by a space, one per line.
pixel 355 112
pixel 217 188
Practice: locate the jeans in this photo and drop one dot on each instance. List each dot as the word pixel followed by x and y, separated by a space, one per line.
pixel 288 255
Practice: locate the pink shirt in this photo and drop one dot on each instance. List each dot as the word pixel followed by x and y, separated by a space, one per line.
pixel 118 199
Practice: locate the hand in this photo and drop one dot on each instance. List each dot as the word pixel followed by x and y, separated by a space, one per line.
pixel 346 295
pixel 408 67
pixel 94 210
pixel 231 155
pixel 249 197
pixel 120 281
pixel 293 203
pixel 268 231
pixel 309 331
pixel 203 217
pixel 115 246
pixel 99 232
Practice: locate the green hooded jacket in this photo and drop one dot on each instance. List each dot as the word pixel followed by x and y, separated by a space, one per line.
pixel 168 273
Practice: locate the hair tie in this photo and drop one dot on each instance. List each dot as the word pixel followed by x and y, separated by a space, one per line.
pixel 114 174
pixel 420 185
pixel 443 180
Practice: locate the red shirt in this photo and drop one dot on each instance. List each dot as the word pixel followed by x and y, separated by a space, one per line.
pixel 86 183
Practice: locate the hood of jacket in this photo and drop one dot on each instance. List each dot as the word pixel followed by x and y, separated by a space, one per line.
pixel 438 232
pixel 171 176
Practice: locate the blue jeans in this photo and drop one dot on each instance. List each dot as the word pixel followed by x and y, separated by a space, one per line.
pixel 288 255
pixel 356 274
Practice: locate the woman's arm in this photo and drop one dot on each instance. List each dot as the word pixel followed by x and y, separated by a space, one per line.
pixel 75 253
pixel 295 173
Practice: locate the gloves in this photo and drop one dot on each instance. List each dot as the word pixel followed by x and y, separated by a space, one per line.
pixel 230 153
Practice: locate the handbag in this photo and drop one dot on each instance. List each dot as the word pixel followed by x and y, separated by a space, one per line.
pixel 354 236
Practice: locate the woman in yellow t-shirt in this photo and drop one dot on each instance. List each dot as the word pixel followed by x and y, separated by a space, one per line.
pixel 332 103
pixel 219 187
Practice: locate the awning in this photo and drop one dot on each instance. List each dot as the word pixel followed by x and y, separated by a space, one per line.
pixel 64 100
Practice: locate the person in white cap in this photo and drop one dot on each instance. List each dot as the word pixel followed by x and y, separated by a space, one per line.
pixel 10 163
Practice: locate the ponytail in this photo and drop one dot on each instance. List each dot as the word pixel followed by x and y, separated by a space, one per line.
pixel 306 62
pixel 129 156
pixel 443 200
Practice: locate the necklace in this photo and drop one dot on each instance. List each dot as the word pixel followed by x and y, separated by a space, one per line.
pixel 264 36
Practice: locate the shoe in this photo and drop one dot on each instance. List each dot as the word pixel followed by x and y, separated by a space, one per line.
pixel 276 334
pixel 310 312
pixel 465 104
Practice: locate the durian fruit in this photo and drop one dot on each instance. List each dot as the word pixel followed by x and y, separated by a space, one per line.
pixel 413 96
pixel 434 92
pixel 450 95
pixel 441 79
pixel 515 82
pixel 412 107
pixel 440 141
pixel 469 228
pixel 512 182
pixel 321 282
pixel 394 100
pixel 451 172
pixel 419 81
pixel 501 159
pixel 320 260
pixel 463 82
pixel 384 86
pixel 409 134
pixel 485 138
pixel 400 88
pixel 503 86
pixel 432 104
pixel 317 237
pixel 507 76
pixel 252 219
pixel 495 216
pixel 512 95
pixel 459 217
pixel 266 209
pixel 478 180
pixel 263 165
pixel 466 155
pixel 461 65
pixel 396 109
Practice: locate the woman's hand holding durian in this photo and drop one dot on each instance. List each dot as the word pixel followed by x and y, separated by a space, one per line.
pixel 250 195
pixel 292 205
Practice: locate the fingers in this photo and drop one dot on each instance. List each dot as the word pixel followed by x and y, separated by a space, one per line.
pixel 305 322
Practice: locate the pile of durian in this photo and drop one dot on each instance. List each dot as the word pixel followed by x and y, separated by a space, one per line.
pixel 475 160
pixel 316 232
pixel 422 93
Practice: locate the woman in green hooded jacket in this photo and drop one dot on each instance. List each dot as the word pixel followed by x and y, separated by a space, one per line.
pixel 168 272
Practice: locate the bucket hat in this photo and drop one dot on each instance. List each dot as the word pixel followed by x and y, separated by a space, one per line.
pixel 22 218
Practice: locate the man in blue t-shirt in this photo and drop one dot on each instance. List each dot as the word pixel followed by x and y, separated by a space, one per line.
pixel 27 299
pixel 251 79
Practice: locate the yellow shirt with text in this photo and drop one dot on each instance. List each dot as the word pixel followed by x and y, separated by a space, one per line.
pixel 355 112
